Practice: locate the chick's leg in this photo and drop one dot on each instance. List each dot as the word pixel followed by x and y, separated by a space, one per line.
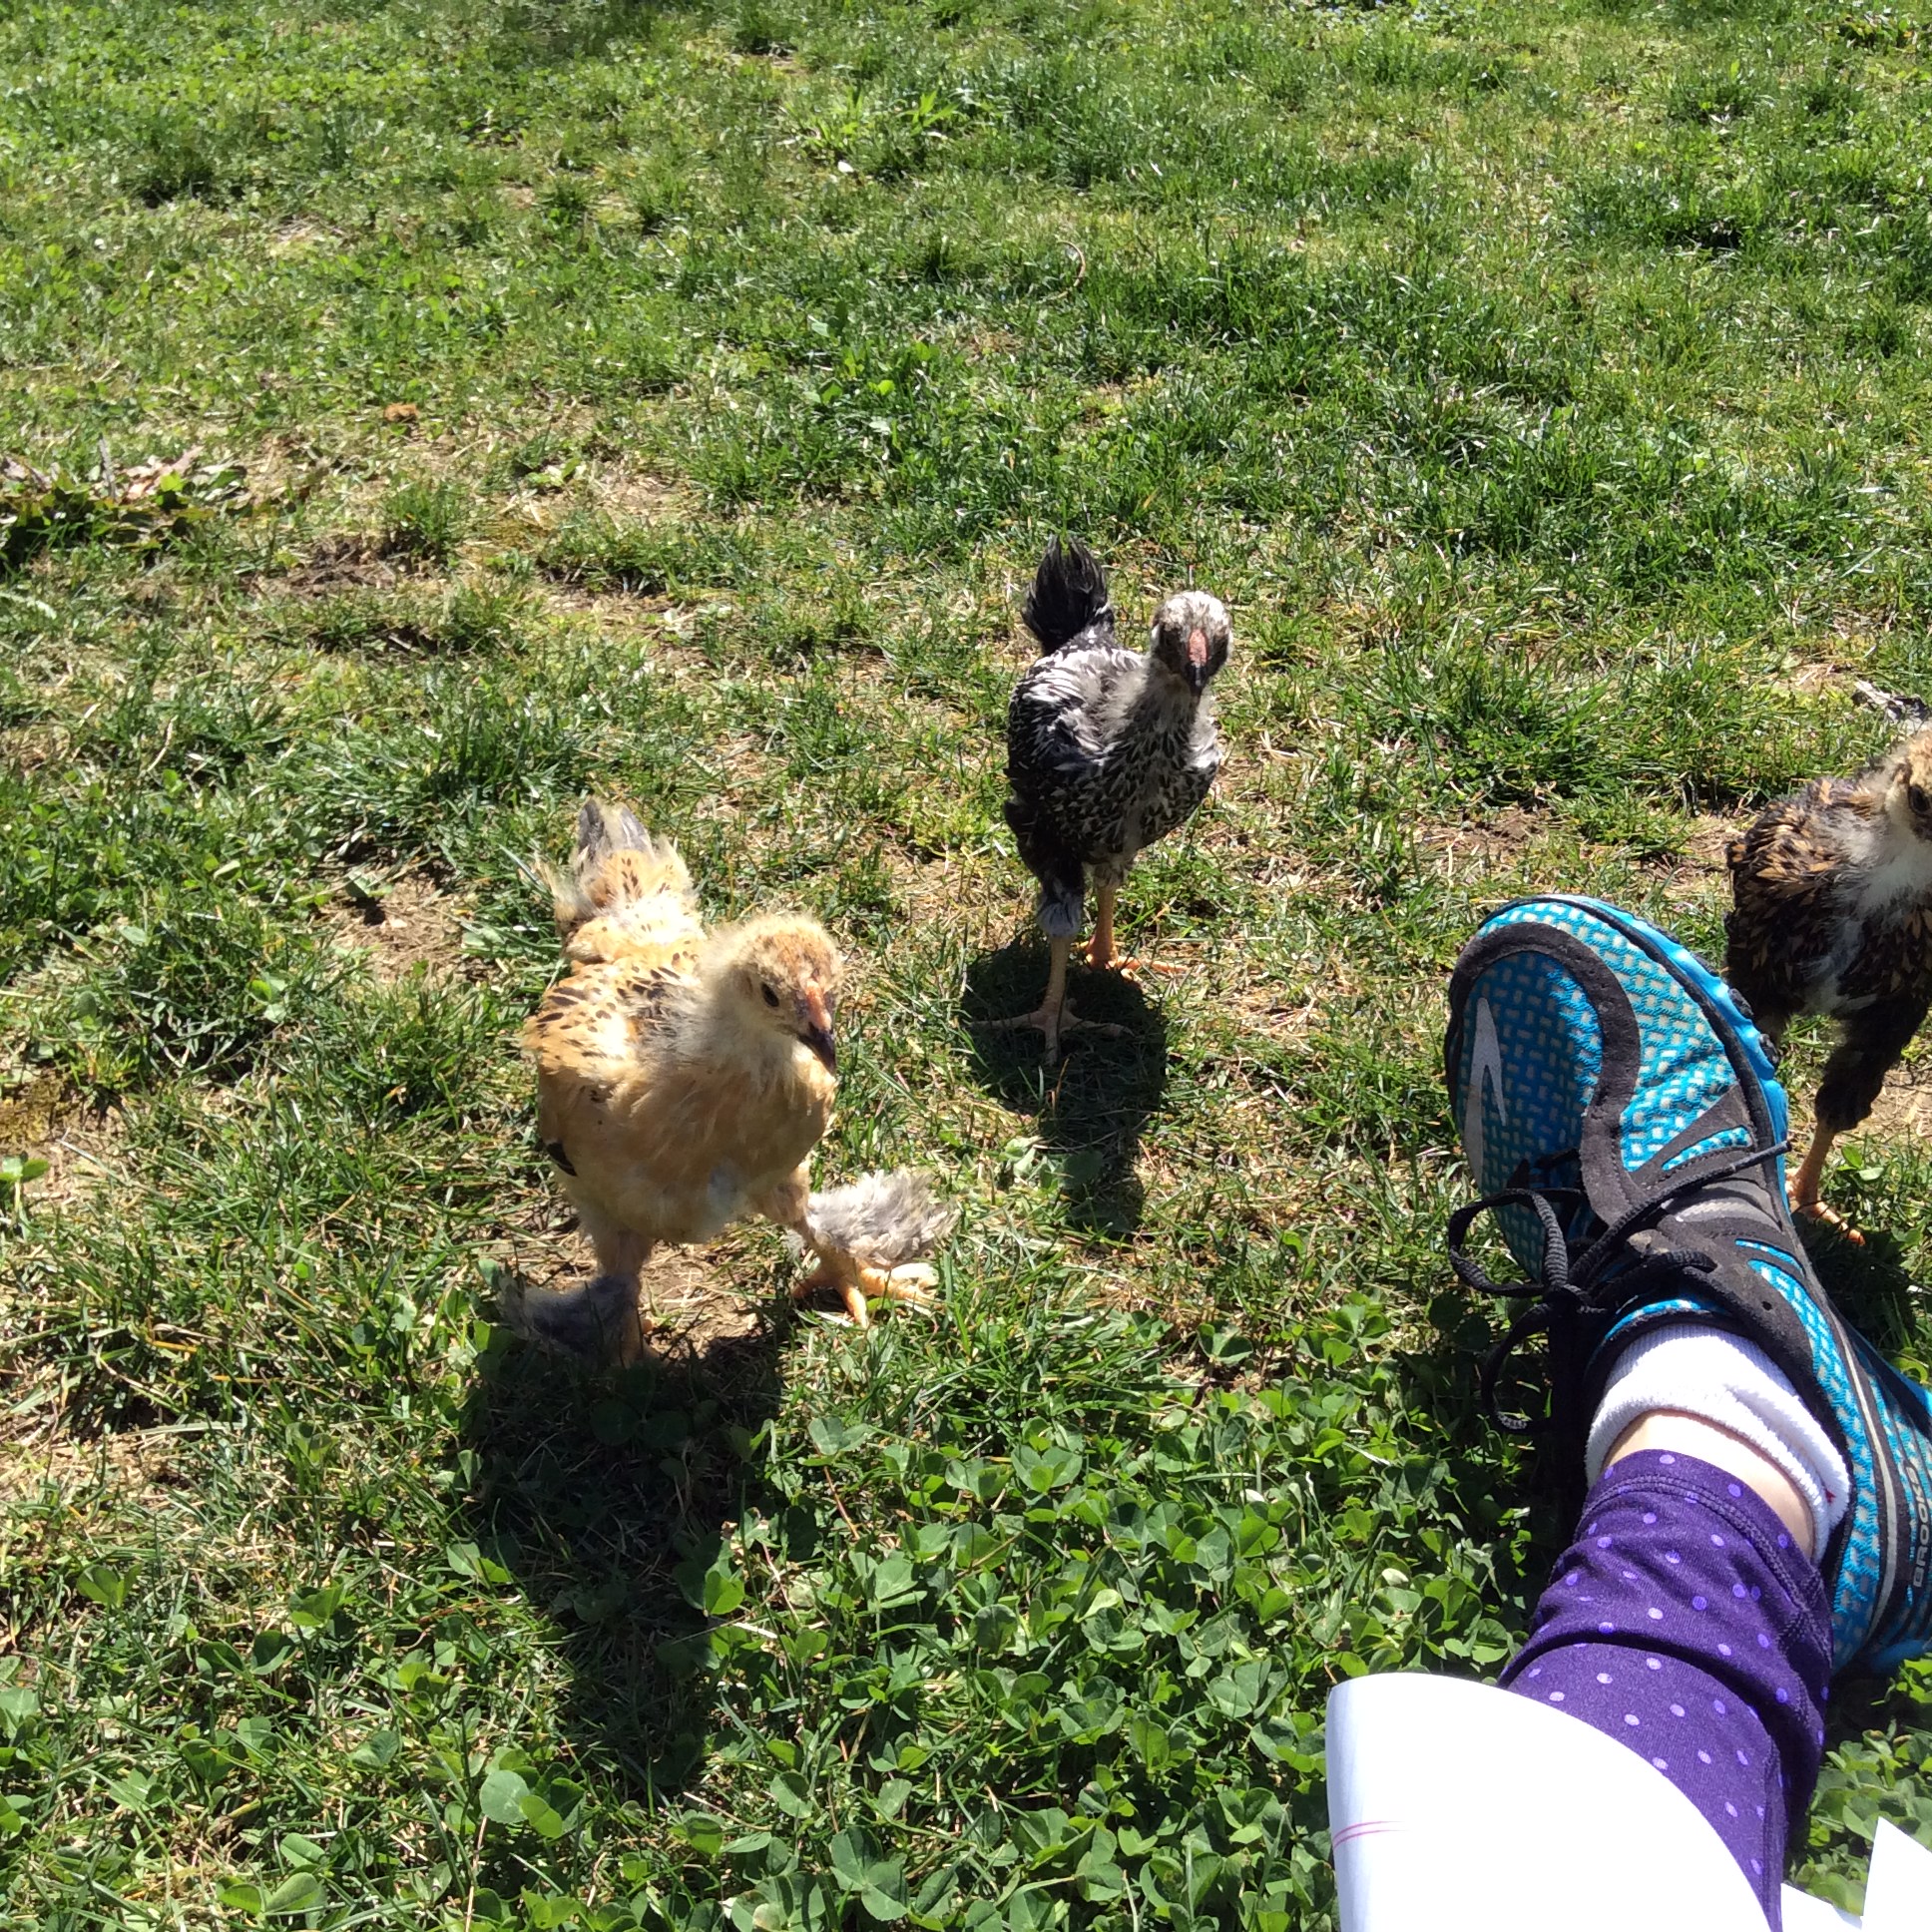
pixel 1102 955
pixel 1809 1177
pixel 1051 1014
pixel 788 1205
pixel 1875 1041
pixel 1804 1191
pixel 620 1250
pixel 614 1303
pixel 858 1284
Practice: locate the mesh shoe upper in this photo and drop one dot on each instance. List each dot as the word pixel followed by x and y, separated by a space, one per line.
pixel 1624 1124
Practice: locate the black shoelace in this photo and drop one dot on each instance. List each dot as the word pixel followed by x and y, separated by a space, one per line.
pixel 1570 1291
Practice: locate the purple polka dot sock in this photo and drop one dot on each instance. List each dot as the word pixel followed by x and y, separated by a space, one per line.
pixel 1686 1621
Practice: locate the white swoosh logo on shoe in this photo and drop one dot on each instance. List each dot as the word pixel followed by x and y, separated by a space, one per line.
pixel 1485 1067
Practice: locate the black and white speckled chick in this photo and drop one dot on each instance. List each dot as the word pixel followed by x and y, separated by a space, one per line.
pixel 1832 914
pixel 1107 749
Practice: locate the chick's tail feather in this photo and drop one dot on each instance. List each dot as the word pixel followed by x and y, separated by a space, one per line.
pixel 628 895
pixel 1069 595
pixel 597 1323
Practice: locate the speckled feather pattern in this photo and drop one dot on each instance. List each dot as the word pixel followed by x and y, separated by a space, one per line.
pixel 1804 934
pixel 1104 755
pixel 1832 914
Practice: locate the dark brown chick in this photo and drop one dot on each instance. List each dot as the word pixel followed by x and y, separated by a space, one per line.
pixel 1833 914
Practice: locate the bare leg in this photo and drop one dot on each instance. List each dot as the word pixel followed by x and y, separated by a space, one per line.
pixel 1690 1435
pixel 1804 1189
pixel 1055 1014
pixel 1875 1038
pixel 1753 1700
pixel 1100 953
pixel 601 1320
pixel 788 1205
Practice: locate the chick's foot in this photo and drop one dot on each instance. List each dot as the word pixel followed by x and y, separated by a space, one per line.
pixel 858 1285
pixel 1127 966
pixel 1810 1178
pixel 1832 1219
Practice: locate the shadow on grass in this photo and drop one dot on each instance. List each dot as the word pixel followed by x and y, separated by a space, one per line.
pixel 1091 1107
pixel 605 1496
pixel 1871 1284
pixel 1510 1494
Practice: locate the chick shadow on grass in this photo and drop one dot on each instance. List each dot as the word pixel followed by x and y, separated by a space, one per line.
pixel 1093 1103
pixel 607 1498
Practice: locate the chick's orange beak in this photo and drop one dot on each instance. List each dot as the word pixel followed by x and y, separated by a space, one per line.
pixel 817 1030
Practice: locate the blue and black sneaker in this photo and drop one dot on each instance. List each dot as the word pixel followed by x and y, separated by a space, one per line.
pixel 1622 1121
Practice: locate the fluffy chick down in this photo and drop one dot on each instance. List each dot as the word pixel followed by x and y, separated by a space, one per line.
pixel 683 1078
pixel 881 1219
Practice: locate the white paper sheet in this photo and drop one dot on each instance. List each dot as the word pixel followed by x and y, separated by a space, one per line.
pixel 1459 1807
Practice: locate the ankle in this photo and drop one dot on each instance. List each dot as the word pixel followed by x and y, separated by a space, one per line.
pixel 1689 1435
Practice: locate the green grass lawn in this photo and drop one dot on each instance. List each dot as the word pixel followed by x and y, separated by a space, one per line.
pixel 672 400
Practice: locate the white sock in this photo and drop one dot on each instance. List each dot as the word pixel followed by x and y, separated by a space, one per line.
pixel 1731 1383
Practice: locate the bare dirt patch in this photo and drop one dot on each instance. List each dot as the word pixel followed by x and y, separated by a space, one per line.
pixel 1904 1106
pixel 128 1463
pixel 293 237
pixel 1817 675
pixel 1709 840
pixel 694 1297
pixel 690 1304
pixel 640 499
pixel 1701 872
pixel 407 923
pixel 1499 840
pixel 960 890
pixel 43 1119
pixel 1283 1013
pixel 349 561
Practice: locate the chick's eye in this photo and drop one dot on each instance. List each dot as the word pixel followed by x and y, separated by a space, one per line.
pixel 770 995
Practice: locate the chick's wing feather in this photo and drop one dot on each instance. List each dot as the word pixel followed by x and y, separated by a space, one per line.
pixel 1061 723
pixel 604 1019
pixel 1788 876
